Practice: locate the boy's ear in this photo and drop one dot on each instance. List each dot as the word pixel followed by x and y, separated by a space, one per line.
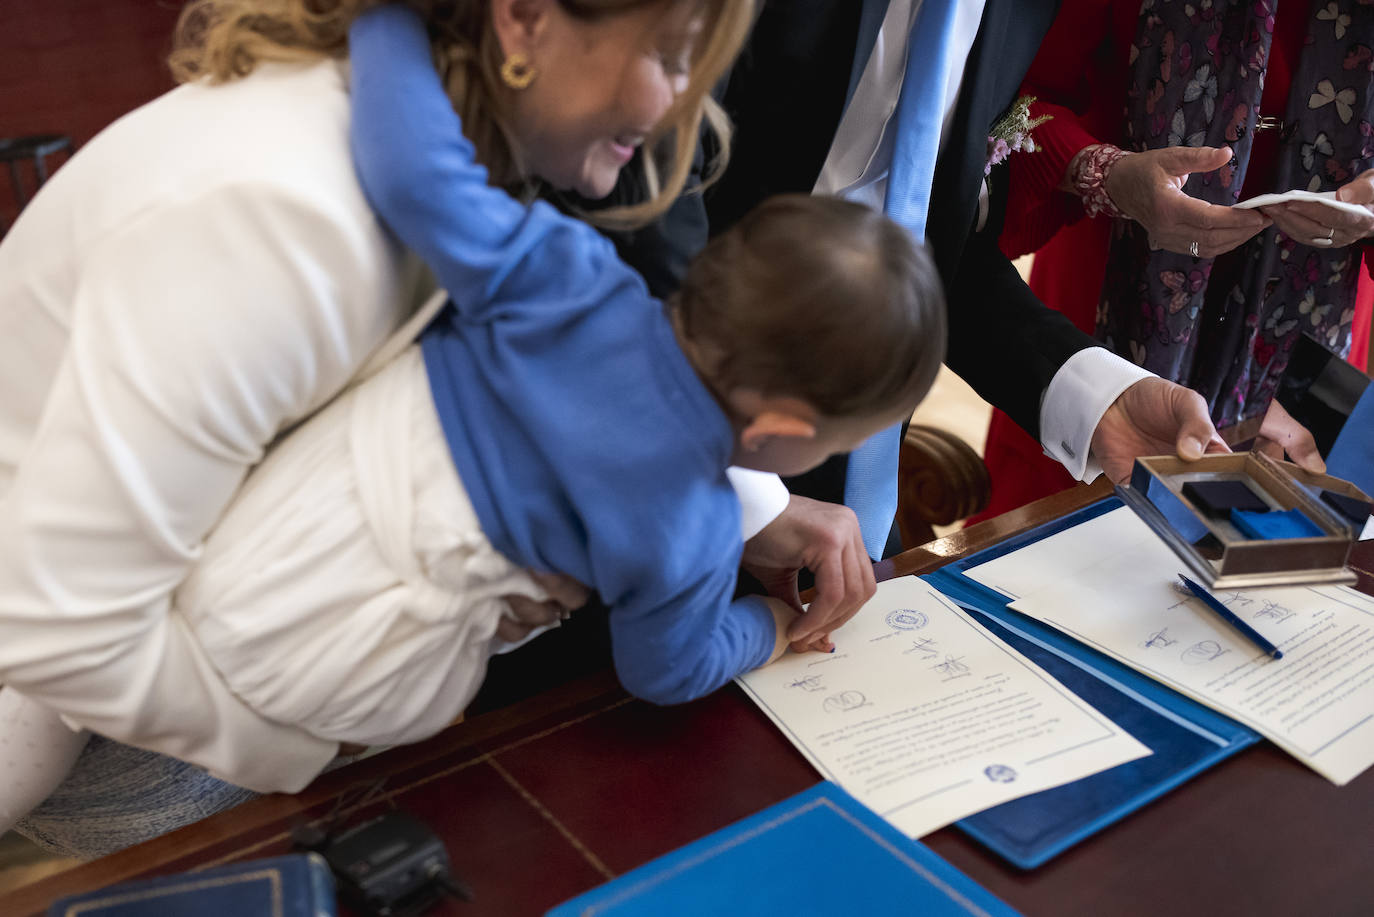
pixel 519 24
pixel 770 417
pixel 774 425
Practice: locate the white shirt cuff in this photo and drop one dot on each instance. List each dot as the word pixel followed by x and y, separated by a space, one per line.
pixel 762 498
pixel 1077 397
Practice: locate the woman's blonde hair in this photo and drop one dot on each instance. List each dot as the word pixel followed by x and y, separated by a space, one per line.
pixel 222 40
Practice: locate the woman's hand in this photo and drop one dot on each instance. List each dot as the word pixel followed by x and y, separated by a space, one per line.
pixel 1280 433
pixel 824 538
pixel 566 595
pixel 1148 187
pixel 1316 224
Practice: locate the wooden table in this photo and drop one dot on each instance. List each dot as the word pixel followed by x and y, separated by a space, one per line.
pixel 553 795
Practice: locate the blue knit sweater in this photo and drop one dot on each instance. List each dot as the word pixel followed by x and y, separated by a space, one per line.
pixel 586 441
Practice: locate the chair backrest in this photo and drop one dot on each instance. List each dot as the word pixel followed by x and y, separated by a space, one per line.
pixel 35 150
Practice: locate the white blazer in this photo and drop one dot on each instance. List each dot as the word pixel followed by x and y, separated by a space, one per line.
pixel 202 275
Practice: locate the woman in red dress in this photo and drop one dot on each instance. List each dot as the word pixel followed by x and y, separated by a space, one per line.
pixel 1223 101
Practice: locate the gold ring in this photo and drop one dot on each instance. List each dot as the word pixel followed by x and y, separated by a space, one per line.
pixel 1331 234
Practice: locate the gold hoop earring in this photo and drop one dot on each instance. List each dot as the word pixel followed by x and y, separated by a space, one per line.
pixel 517 72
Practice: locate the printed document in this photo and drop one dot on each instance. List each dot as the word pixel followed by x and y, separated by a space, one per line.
pixel 925 717
pixel 1113 584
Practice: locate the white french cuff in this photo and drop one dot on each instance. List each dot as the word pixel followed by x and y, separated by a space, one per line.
pixel 1077 397
pixel 762 498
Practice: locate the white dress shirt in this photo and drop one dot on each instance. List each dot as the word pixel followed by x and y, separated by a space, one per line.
pixel 856 168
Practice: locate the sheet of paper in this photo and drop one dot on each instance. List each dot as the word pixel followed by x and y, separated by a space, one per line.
pixel 1317 197
pixel 925 717
pixel 1111 583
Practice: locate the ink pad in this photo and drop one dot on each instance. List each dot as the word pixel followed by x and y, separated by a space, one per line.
pixel 1218 498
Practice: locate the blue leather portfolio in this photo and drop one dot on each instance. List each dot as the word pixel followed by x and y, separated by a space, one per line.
pixel 758 867
pixel 1185 736
pixel 297 885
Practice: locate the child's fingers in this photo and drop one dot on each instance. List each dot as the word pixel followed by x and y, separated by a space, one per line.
pixel 817 644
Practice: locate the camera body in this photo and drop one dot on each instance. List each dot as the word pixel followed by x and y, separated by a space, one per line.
pixel 391 866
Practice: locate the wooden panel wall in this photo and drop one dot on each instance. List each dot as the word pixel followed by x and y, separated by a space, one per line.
pixel 73 66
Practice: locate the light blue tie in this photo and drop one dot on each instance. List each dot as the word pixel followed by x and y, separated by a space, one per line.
pixel 870 487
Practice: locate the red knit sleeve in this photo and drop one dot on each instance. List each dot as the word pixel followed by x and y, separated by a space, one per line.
pixel 1062 78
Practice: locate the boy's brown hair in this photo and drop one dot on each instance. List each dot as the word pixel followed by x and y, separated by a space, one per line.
pixel 820 299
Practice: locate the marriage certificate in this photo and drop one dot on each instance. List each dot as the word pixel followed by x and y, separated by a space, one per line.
pixel 1113 584
pixel 925 717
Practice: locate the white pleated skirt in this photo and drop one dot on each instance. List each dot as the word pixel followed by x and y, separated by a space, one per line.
pixel 349 590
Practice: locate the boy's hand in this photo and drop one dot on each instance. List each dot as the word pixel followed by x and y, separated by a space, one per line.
pixel 783 617
pixel 824 538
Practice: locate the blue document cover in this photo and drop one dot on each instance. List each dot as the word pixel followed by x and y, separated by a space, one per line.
pixel 297 885
pixel 1184 736
pixel 752 868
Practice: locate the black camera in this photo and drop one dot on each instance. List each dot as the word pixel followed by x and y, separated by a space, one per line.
pixel 389 866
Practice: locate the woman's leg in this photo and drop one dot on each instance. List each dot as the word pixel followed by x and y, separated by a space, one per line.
pixel 37 750
pixel 117 796
pixel 349 590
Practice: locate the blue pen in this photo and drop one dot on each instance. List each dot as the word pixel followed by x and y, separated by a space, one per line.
pixel 1229 617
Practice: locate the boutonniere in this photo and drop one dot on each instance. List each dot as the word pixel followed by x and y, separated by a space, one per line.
pixel 1012 133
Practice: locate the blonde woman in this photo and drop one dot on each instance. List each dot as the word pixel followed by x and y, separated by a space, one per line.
pixel 202 276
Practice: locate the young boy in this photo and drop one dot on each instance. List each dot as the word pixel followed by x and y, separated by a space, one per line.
pixel 589 427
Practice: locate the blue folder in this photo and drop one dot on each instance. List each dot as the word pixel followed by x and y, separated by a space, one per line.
pixel 1352 456
pixel 295 885
pixel 758 867
pixel 1186 737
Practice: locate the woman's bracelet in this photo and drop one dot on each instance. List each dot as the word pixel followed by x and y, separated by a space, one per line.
pixel 1088 176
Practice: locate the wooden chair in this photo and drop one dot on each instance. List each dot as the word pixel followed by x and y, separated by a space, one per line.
pixel 14 151
pixel 940 481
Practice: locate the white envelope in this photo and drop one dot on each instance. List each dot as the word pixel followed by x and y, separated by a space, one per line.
pixel 1317 197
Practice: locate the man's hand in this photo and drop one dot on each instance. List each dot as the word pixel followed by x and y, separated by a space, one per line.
pixel 824 538
pixel 1280 434
pixel 566 595
pixel 1153 417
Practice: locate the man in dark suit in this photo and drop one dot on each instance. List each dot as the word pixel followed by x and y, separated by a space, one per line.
pixel 817 81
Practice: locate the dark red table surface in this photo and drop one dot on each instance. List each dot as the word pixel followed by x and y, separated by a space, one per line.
pixel 555 794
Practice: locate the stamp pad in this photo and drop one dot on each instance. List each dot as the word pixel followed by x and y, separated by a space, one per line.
pixel 1189 505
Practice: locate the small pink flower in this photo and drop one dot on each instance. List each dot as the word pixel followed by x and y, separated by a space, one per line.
pixel 1012 133
pixel 998 151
